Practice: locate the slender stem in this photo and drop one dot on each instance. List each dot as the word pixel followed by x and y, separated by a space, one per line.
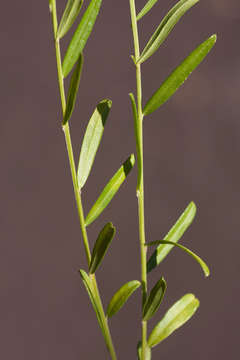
pixel 140 185
pixel 77 193
pixel 67 134
pixel 108 337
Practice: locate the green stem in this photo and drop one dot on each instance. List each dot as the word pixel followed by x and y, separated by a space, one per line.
pixel 77 193
pixel 140 185
pixel 107 333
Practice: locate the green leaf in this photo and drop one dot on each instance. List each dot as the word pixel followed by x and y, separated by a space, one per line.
pixel 134 106
pixel 138 138
pixel 73 90
pixel 121 296
pixel 146 8
pixel 81 36
pixel 87 281
pixel 189 252
pixel 154 300
pixel 69 16
pixel 173 235
pixel 165 27
pixel 178 76
pixel 92 140
pixel 101 245
pixel 139 350
pixel 175 317
pixel 110 190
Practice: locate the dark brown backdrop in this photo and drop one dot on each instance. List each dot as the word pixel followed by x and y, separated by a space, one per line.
pixel 191 153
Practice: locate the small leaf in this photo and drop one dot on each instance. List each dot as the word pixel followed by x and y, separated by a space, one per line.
pixel 165 27
pixel 81 36
pixel 139 350
pixel 101 245
pixel 69 16
pixel 110 190
pixel 175 317
pixel 154 300
pixel 73 90
pixel 146 8
pixel 91 141
pixel 121 296
pixel 189 252
pixel 173 235
pixel 89 287
pixel 178 76
pixel 134 106
pixel 138 139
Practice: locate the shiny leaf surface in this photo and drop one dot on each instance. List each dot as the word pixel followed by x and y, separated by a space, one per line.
pixel 90 290
pixel 173 235
pixel 165 27
pixel 73 90
pixel 175 317
pixel 121 296
pixel 154 300
pixel 81 36
pixel 146 8
pixel 110 190
pixel 101 245
pixel 178 76
pixel 69 16
pixel 189 252
pixel 91 140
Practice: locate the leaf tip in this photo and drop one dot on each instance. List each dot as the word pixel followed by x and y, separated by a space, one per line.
pixel 207 272
pixel 214 38
pixel 111 226
pixel 132 159
pixel 193 298
pixel 193 206
pixel 82 272
pixel 107 102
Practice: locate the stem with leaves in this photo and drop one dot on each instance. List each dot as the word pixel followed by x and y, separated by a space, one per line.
pixel 151 303
pixel 140 185
pixel 77 191
pixel 184 308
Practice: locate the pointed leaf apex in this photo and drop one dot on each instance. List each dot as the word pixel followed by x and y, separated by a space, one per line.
pixel 132 159
pixel 214 37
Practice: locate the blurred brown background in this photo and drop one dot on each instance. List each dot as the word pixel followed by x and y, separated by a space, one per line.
pixel 192 152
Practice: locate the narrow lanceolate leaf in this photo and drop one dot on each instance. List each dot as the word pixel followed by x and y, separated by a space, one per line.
pixel 101 245
pixel 175 317
pixel 134 106
pixel 154 300
pixel 138 139
pixel 81 36
pixel 165 27
pixel 90 290
pixel 73 90
pixel 121 296
pixel 91 140
pixel 173 235
pixel 202 263
pixel 139 351
pixel 69 16
pixel 110 190
pixel 146 8
pixel 178 76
